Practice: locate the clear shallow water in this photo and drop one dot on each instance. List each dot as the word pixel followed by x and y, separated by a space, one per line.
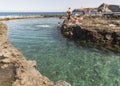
pixel 60 59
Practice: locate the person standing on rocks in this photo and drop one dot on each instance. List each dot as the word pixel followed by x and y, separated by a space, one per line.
pixel 69 12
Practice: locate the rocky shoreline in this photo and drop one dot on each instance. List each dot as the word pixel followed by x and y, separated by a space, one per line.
pixel 27 17
pixel 15 70
pixel 93 31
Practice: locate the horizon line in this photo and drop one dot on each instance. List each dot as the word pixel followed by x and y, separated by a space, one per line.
pixel 32 11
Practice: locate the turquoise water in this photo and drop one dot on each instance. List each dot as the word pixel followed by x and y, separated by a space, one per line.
pixel 61 59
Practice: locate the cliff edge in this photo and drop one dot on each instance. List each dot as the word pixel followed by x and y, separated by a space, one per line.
pixel 15 70
pixel 93 31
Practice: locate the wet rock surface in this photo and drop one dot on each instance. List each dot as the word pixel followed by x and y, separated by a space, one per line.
pixel 94 31
pixel 7 73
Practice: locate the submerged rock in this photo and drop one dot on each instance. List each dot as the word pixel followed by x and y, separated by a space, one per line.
pixel 62 83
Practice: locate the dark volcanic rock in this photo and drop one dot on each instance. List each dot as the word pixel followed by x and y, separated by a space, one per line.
pixel 94 32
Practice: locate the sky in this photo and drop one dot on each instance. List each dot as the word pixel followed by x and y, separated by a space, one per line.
pixel 49 5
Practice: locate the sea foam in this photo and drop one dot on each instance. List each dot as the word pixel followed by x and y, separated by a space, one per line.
pixel 44 25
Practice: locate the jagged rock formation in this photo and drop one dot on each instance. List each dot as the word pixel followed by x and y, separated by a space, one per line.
pixel 94 31
pixel 103 8
pixel 109 8
pixel 15 70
